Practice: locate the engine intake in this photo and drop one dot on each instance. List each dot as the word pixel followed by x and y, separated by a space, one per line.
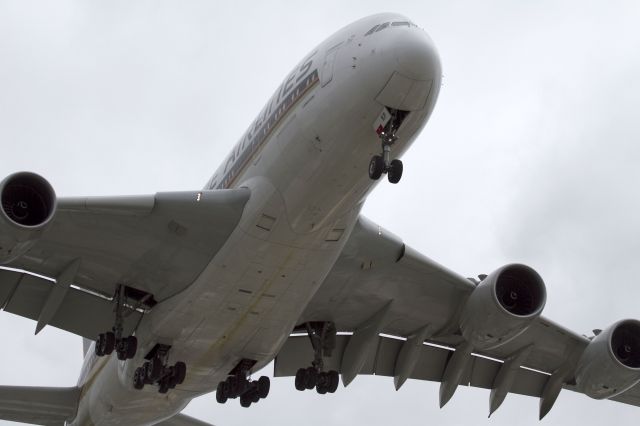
pixel 502 306
pixel 27 206
pixel 610 364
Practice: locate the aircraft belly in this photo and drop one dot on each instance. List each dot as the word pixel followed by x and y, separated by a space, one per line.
pixel 247 301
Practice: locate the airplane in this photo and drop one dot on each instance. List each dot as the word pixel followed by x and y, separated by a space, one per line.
pixel 179 294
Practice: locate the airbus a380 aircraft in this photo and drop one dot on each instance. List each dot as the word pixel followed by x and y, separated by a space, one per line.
pixel 180 294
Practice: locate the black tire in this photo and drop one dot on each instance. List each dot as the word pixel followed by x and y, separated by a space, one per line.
pixel 154 370
pixel 395 171
pixel 138 378
pixel 221 393
pixel 179 372
pixel 376 167
pixel 300 379
pixel 146 369
pixel 245 400
pixel 110 342
pixel 99 346
pixel 172 382
pixel 233 387
pixel 334 381
pixel 131 344
pixel 263 386
pixel 254 396
pixel 164 386
pixel 311 378
pixel 121 354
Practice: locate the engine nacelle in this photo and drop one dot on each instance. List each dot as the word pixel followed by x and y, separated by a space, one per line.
pixel 28 203
pixel 610 364
pixel 502 306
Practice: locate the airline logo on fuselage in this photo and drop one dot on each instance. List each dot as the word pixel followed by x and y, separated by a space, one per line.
pixel 288 94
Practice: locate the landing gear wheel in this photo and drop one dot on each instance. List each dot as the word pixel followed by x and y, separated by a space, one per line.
pixel 179 372
pixel 109 342
pixel 138 378
pixel 334 380
pixel 376 167
pixel 311 378
pixel 131 343
pixel 395 171
pixel 245 400
pixel 300 379
pixel 322 387
pixel 164 386
pixel 99 346
pixel 154 369
pixel 263 386
pixel 221 393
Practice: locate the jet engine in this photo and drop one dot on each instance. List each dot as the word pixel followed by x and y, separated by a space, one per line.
pixel 610 364
pixel 28 203
pixel 502 306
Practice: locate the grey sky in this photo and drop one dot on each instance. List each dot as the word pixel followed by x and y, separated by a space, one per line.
pixel 531 155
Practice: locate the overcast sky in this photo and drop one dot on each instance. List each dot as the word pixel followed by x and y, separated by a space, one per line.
pixel 531 155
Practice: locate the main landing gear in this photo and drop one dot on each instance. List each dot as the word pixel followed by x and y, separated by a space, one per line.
pixel 323 340
pixel 158 371
pixel 125 346
pixel 238 385
pixel 383 163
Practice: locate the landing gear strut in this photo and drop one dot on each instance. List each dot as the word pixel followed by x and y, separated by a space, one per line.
pixel 125 346
pixel 238 385
pixel 383 163
pixel 323 340
pixel 158 371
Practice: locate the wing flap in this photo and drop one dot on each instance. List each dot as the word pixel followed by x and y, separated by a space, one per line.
pixel 38 405
pixel 432 361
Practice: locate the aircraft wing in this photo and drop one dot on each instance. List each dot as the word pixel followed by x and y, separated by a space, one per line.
pixel 398 313
pixel 155 245
pixel 37 405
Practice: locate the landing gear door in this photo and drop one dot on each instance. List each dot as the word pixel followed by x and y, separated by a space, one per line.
pixel 327 67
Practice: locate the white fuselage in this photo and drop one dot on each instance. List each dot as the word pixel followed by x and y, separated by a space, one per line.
pixel 305 160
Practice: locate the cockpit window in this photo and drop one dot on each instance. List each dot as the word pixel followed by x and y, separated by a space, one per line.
pixel 371 30
pixel 386 25
pixel 382 26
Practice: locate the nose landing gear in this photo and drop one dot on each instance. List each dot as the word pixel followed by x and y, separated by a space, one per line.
pixel 386 127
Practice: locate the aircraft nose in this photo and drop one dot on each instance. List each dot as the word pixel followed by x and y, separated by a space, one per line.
pixel 416 55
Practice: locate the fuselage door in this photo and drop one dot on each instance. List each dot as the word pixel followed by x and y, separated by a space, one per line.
pixel 327 66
